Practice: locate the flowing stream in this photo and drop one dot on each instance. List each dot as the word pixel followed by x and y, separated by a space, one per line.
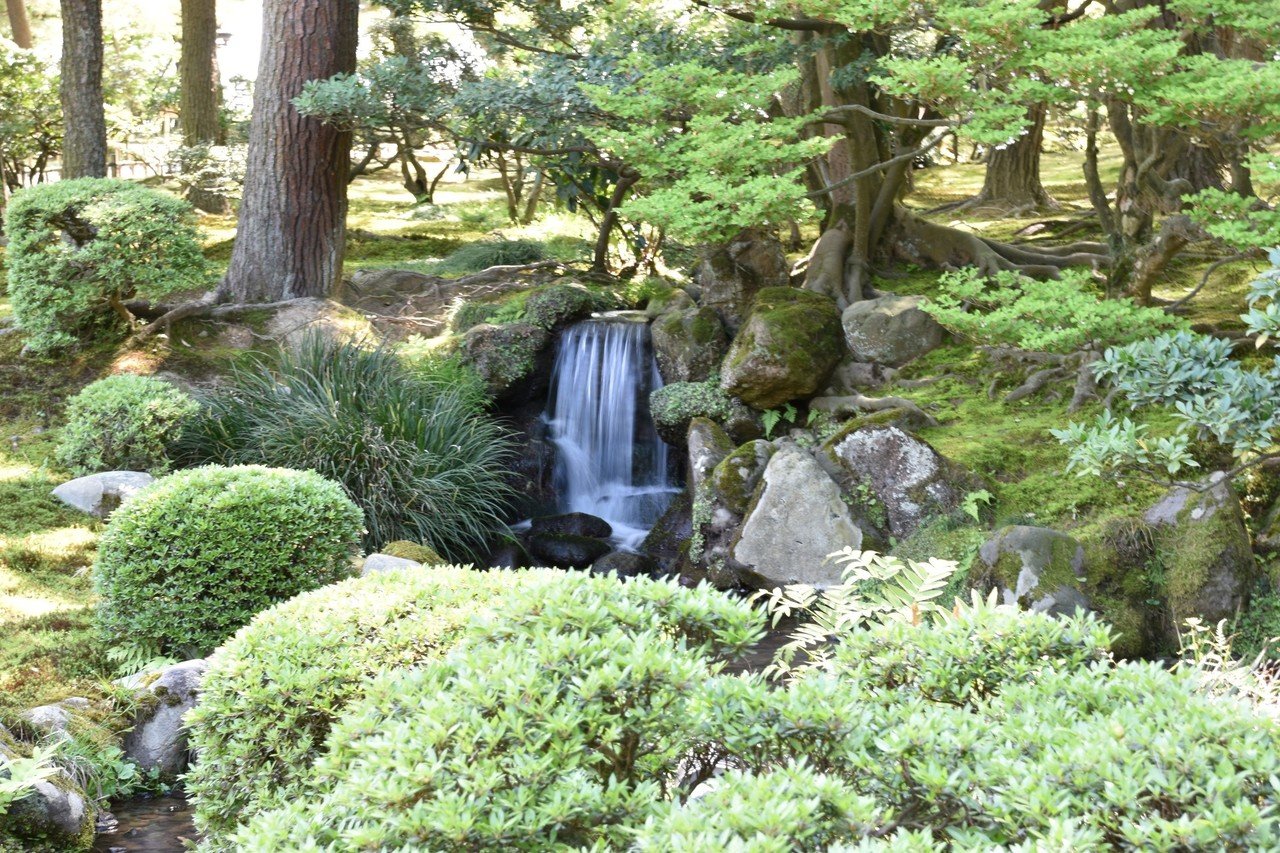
pixel 610 461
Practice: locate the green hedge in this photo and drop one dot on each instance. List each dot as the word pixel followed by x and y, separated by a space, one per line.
pixel 124 423
pixel 194 556
pixel 78 248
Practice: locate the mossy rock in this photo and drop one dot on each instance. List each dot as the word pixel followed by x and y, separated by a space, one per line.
pixel 514 360
pixel 786 349
pixel 559 305
pixel 674 406
pixel 737 477
pixel 688 344
pixel 56 816
pixel 673 299
pixel 406 550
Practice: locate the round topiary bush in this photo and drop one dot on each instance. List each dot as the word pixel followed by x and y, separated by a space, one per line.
pixel 78 249
pixel 256 746
pixel 192 558
pixel 123 423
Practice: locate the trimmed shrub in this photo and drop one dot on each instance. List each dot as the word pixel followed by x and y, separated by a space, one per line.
pixel 123 423
pixel 411 445
pixel 195 555
pixel 78 248
pixel 273 691
pixel 557 726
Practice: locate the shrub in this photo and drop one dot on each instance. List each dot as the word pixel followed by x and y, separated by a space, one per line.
pixel 411 445
pixel 123 423
pixel 193 557
pixel 481 255
pixel 274 690
pixel 1053 316
pixel 78 248
pixel 558 725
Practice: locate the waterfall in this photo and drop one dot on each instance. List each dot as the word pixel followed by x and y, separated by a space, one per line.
pixel 610 461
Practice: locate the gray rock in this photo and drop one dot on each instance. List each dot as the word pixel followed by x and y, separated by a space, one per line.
pixel 573 524
pixel 100 495
pixel 293 322
pixel 55 718
pixel 623 564
pixel 906 478
pixel 799 519
pixel 688 344
pixel 1037 569
pixel 890 330
pixel 158 740
pixel 55 814
pixel 786 349
pixel 737 476
pixel 1205 550
pixel 852 377
pixel 677 300
pixel 708 444
pixel 377 563
pixel 730 277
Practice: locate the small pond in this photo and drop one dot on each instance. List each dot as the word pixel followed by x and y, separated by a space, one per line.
pixel 155 824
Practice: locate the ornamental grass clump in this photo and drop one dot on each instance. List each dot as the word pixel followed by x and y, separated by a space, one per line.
pixel 197 554
pixel 78 249
pixel 124 423
pixel 408 440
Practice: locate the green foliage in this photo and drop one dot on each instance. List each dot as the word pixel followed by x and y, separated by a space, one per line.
pixel 273 691
pixel 124 423
pixel 772 417
pixel 483 254
pixel 1053 316
pixel 78 248
pixel 30 112
pixel 681 402
pixel 19 774
pixel 189 560
pixel 411 444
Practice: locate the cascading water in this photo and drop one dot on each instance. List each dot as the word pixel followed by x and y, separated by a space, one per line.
pixel 610 461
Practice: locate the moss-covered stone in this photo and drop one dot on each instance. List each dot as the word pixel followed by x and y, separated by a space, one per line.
pixel 689 344
pixel 674 406
pixel 406 550
pixel 736 478
pixel 671 299
pixel 513 360
pixel 786 349
pixel 558 305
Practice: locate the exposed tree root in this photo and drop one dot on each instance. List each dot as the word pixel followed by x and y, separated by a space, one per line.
pixel 1044 370
pixel 856 404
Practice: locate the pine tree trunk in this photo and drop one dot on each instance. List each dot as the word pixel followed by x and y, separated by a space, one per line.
pixel 84 150
pixel 292 230
pixel 19 26
pixel 1012 181
pixel 200 90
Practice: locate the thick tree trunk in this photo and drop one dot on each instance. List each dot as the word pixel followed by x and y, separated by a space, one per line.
pixel 84 148
pixel 200 90
pixel 292 230
pixel 1012 184
pixel 19 26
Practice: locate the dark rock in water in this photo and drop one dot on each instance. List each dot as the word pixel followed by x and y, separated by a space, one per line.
pixel 572 524
pixel 566 551
pixel 667 538
pixel 510 554
pixel 624 565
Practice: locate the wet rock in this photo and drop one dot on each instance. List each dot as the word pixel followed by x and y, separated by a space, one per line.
pixel 668 540
pixel 572 524
pixel 623 564
pixel 1204 548
pixel 688 344
pixel 1037 569
pixel 514 359
pixel 730 277
pixel 100 495
pixel 890 330
pixel 509 554
pixel 900 479
pixel 566 551
pixel 798 520
pixel 158 739
pixel 785 350
pixel 377 563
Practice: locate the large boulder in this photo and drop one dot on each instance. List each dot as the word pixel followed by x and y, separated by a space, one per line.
pixel 785 350
pixel 900 480
pixel 890 330
pixel 675 299
pixel 730 277
pixel 1204 550
pixel 54 815
pixel 798 520
pixel 100 495
pixel 1035 568
pixel 559 305
pixel 157 743
pixel 513 359
pixel 688 344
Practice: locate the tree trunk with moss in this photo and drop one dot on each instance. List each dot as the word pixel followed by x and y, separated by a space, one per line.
pixel 84 147
pixel 200 91
pixel 292 230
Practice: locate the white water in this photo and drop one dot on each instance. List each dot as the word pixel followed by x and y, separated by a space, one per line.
pixel 610 461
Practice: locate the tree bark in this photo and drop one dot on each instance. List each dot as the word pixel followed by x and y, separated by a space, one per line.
pixel 292 230
pixel 19 26
pixel 84 148
pixel 1012 182
pixel 200 90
